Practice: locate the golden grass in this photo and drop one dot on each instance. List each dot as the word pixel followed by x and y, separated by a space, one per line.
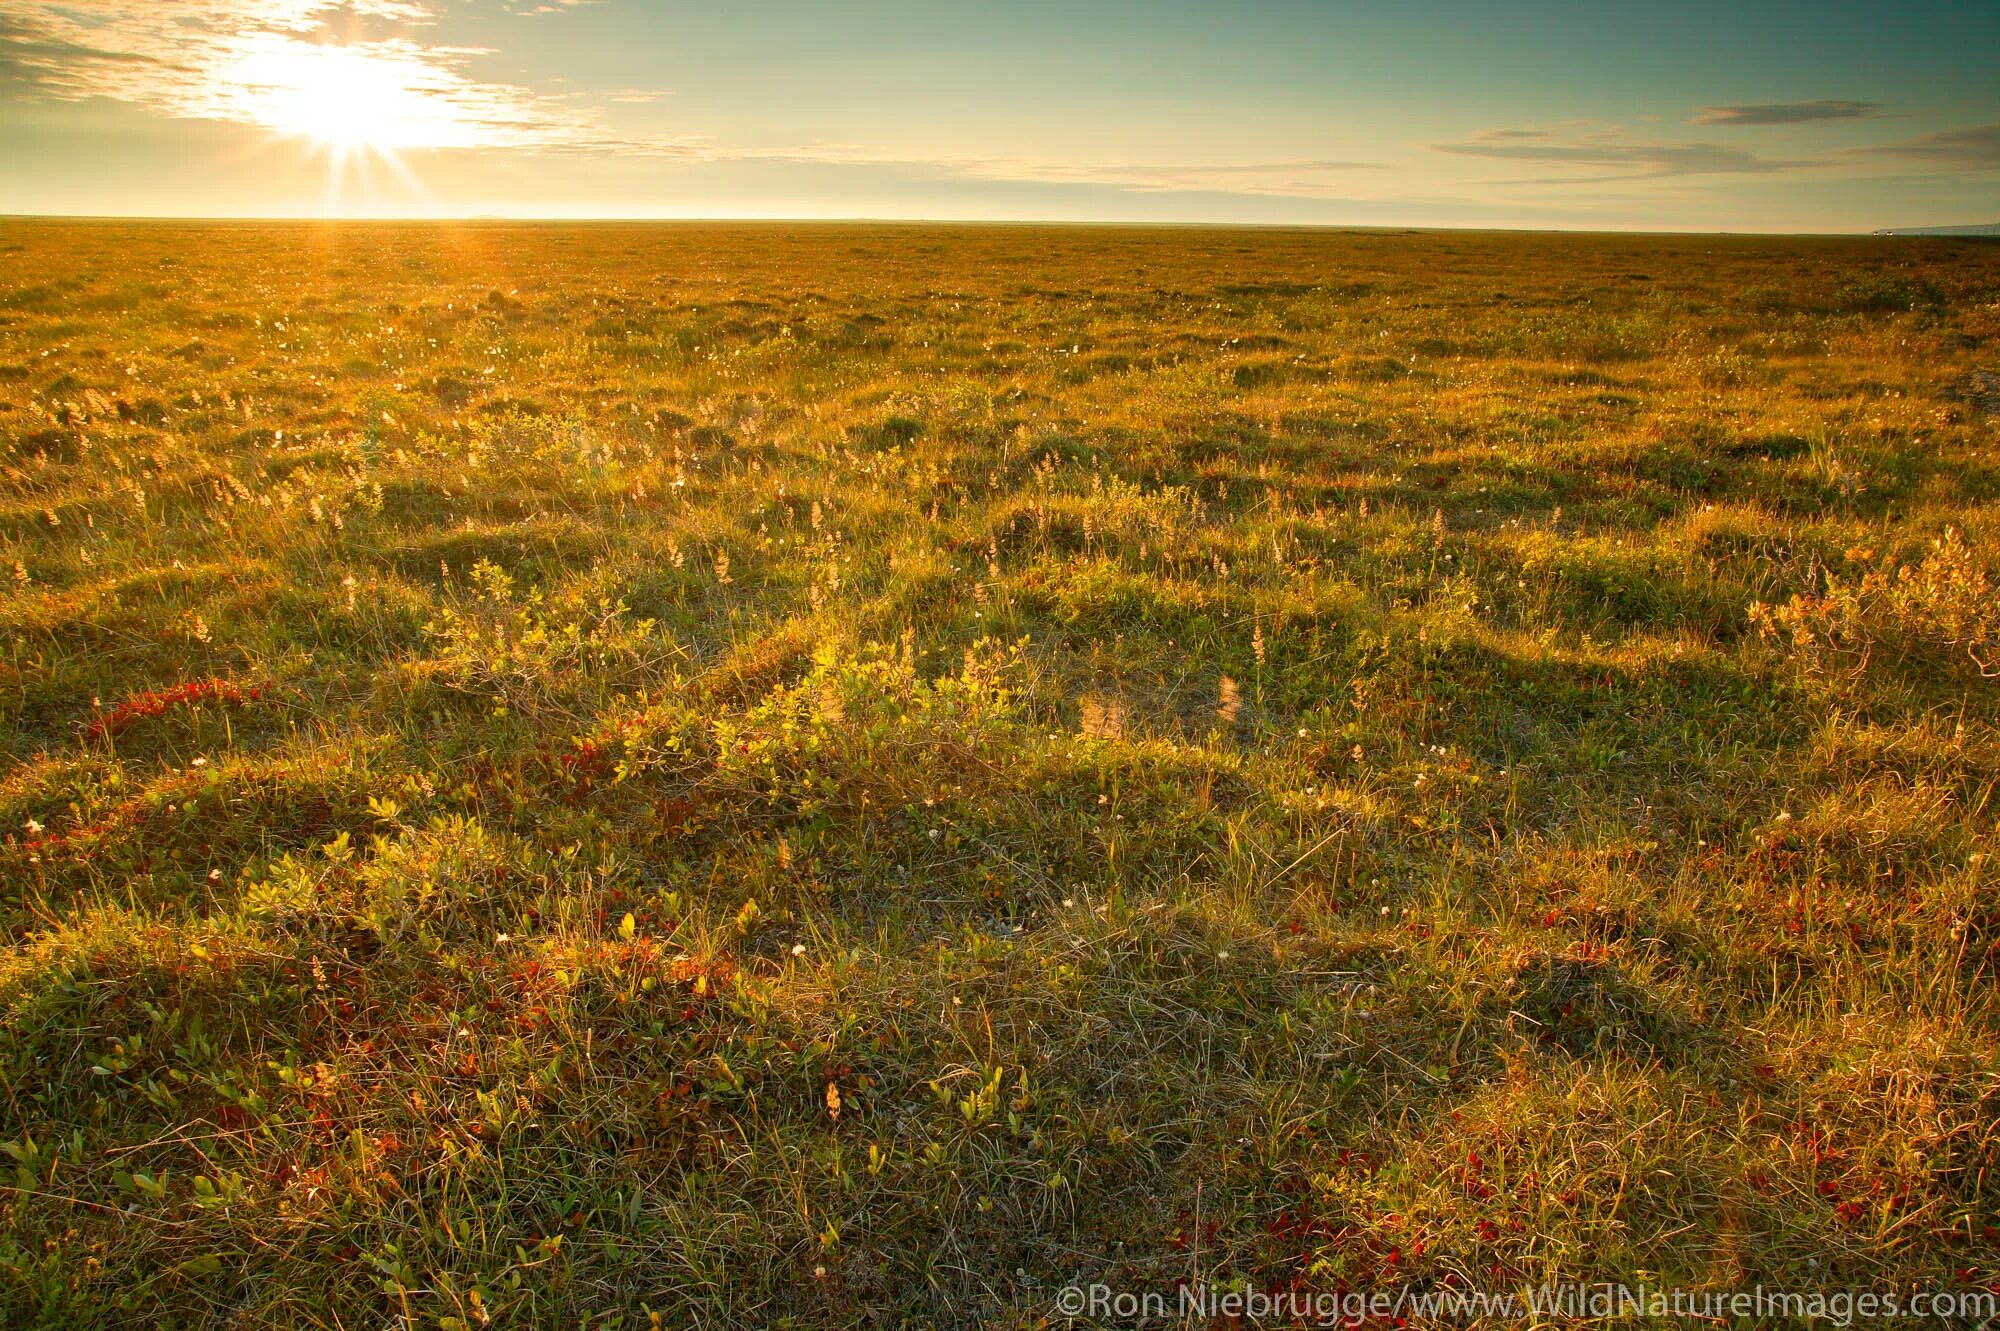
pixel 850 775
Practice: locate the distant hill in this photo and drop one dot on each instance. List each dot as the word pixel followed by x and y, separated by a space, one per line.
pixel 1972 229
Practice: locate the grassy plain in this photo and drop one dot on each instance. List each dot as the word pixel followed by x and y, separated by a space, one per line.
pixel 857 775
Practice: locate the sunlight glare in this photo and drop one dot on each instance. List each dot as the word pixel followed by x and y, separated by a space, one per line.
pixel 349 99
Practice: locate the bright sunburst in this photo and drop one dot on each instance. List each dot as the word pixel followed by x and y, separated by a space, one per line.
pixel 352 99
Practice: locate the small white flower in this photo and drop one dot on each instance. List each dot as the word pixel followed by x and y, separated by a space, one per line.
pixel 34 828
pixel 798 949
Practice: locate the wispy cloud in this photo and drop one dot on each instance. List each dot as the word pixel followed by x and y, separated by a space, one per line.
pixel 1609 154
pixel 1785 113
pixel 1300 178
pixel 1967 148
pixel 1615 152
pixel 35 56
pixel 272 64
pixel 1307 178
pixel 243 61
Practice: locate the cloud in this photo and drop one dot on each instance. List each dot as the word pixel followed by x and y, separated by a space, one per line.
pixel 268 63
pixel 31 56
pixel 366 66
pixel 1612 151
pixel 1611 154
pixel 1968 148
pixel 1304 178
pixel 1785 113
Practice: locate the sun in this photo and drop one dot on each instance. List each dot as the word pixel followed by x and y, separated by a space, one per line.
pixel 350 99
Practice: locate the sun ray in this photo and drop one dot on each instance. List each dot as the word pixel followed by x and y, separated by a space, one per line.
pixel 350 97
pixel 354 106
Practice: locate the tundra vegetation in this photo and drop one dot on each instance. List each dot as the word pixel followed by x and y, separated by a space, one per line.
pixel 856 775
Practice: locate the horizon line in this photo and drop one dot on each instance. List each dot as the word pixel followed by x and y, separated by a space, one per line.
pixel 855 219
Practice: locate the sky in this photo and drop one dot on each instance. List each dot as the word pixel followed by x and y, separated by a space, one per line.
pixel 1753 115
